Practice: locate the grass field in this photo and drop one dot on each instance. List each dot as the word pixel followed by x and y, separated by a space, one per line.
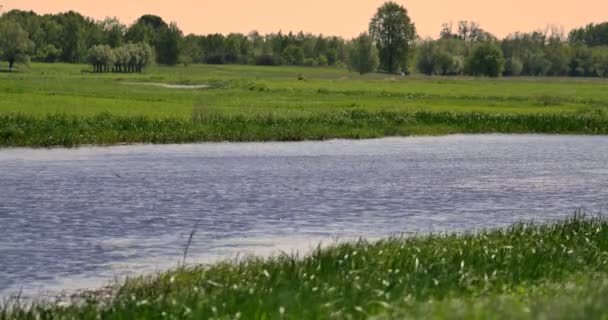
pixel 555 271
pixel 59 104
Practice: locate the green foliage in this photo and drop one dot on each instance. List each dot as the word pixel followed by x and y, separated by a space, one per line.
pixel 168 45
pixel 48 53
pixel 102 57
pixel 600 62
pixel 591 35
pixel 65 37
pixel 443 57
pixel 558 57
pixel 581 64
pixel 363 56
pixel 293 55
pixel 14 43
pixel 513 66
pixel 525 271
pixel 486 60
pixel 393 32
pixel 114 32
pixel 73 37
pixel 128 58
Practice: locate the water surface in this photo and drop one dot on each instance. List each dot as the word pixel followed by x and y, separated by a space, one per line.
pixel 73 218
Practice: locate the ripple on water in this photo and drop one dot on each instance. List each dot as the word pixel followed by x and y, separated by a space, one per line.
pixel 98 212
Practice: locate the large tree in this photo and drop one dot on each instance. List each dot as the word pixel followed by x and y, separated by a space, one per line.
pixel 73 37
pixel 168 45
pixel 394 33
pixel 14 43
pixel 362 55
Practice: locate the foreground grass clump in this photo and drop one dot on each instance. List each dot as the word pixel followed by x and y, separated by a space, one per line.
pixel 105 128
pixel 525 271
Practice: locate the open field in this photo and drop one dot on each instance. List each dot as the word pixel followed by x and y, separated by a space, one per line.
pixel 556 271
pixel 58 104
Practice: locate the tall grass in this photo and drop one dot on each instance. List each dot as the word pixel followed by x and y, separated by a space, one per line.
pixel 106 128
pixel 524 271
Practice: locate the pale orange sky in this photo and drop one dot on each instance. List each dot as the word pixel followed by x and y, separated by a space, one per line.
pixel 331 17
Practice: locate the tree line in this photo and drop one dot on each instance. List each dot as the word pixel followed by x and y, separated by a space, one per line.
pixel 127 58
pixel 390 44
pixel 584 52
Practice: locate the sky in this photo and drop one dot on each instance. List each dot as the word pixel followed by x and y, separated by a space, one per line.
pixel 345 18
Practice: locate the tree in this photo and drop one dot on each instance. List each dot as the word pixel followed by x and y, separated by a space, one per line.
pixel 513 67
pixel 472 32
pixel 14 43
pixel 558 57
pixel 486 59
pixel 115 32
pixel 191 50
pixel 102 58
pixel 393 32
pixel 293 55
pixel 581 64
pixel 48 53
pixel 592 35
pixel 443 57
pixel 363 55
pixel 73 38
pixel 168 45
pixel 600 62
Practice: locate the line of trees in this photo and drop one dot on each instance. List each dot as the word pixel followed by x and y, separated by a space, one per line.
pixel 67 37
pixel 472 51
pixel 128 58
pixel 389 45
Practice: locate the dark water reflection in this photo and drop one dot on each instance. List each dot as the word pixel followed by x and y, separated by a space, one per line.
pixel 73 218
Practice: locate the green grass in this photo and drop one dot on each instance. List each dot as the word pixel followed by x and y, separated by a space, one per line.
pixel 105 128
pixel 32 101
pixel 527 271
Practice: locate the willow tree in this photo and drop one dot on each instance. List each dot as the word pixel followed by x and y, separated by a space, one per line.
pixel 14 43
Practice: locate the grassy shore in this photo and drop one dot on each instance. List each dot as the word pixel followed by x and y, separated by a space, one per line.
pixel 57 104
pixel 71 130
pixel 527 271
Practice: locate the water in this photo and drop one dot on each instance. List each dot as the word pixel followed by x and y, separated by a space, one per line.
pixel 74 218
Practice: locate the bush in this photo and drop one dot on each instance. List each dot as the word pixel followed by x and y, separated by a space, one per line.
pixel 486 60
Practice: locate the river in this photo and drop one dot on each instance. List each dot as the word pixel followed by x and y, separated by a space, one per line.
pixel 77 218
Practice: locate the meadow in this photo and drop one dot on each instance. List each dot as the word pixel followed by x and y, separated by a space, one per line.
pixel 68 105
pixel 527 271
